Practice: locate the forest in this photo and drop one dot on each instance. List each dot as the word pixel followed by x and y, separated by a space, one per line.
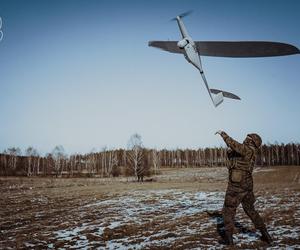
pixel 135 161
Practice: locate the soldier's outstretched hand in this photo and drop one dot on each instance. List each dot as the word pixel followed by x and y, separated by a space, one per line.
pixel 219 132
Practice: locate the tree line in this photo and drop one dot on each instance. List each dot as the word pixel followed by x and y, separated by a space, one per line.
pixel 135 161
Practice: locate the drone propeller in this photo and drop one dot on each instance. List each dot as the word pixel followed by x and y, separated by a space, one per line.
pixel 182 15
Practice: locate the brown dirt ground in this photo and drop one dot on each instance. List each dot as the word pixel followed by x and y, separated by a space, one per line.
pixel 39 213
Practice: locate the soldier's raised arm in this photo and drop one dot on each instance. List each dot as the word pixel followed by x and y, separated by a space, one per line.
pixel 235 145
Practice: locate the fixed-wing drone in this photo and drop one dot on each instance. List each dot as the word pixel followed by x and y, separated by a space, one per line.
pixel 193 49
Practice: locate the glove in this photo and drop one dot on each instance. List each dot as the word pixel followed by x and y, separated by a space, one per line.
pixel 219 132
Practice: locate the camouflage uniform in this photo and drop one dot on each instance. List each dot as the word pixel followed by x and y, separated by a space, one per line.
pixel 240 185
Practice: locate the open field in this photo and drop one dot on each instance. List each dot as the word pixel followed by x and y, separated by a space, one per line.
pixel 179 209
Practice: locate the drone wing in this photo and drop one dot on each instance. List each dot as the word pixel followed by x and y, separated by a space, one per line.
pixel 170 46
pixel 232 49
pixel 245 49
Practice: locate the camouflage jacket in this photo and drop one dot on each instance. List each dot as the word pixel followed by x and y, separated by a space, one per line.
pixel 241 161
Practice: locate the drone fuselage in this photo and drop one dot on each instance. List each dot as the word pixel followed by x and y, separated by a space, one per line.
pixel 191 54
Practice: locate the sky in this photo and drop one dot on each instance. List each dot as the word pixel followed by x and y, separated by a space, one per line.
pixel 80 74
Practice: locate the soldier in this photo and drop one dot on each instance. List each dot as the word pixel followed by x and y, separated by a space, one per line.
pixel 240 184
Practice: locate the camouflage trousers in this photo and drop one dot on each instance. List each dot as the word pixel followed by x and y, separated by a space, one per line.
pixel 233 199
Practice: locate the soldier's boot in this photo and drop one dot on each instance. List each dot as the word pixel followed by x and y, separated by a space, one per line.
pixel 265 236
pixel 227 240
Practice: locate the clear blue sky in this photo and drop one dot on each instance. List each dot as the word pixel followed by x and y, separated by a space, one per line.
pixel 80 74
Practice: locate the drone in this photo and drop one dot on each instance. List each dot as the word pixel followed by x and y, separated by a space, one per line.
pixel 192 50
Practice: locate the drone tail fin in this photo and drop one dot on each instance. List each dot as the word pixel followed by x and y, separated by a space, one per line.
pixel 225 94
pixel 218 99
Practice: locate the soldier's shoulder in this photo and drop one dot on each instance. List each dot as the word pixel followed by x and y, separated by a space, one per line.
pixel 251 151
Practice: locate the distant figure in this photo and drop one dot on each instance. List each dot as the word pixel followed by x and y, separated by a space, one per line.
pixel 139 172
pixel 240 184
pixel 140 177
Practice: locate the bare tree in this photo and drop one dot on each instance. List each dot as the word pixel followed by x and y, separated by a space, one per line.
pixel 144 166
pixel 156 160
pixel 3 163
pixel 135 154
pixel 58 154
pixel 13 153
pixel 91 162
pixel 72 164
pixel 103 161
pixel 32 161
pixel 112 162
